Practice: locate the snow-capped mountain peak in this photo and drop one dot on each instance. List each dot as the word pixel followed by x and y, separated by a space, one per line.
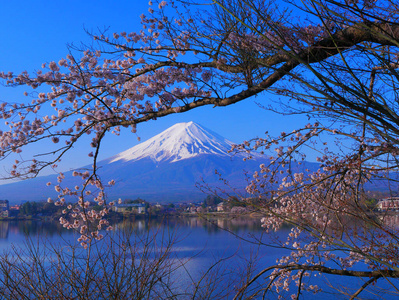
pixel 181 141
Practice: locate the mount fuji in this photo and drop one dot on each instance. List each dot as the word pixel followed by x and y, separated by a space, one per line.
pixel 164 168
pixel 167 167
pixel 179 142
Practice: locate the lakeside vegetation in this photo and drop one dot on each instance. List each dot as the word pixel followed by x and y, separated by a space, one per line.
pixel 211 205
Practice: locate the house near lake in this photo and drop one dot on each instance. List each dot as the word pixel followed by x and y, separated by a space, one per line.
pixel 138 208
pixel 4 208
pixel 391 203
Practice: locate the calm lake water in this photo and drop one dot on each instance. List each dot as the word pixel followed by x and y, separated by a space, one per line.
pixel 199 242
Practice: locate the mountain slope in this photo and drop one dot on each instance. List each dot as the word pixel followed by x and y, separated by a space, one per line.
pixel 164 168
pixel 181 141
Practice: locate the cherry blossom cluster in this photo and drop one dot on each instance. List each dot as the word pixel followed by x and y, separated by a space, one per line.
pixel 325 207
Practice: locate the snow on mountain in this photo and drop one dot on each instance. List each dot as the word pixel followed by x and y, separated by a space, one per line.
pixel 181 141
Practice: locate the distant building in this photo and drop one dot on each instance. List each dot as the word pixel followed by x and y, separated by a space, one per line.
pixel 137 208
pixel 4 208
pixel 391 203
pixel 220 207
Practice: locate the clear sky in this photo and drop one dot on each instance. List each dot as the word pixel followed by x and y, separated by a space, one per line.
pixel 33 32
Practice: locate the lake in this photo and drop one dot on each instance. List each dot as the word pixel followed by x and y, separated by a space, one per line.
pixel 237 244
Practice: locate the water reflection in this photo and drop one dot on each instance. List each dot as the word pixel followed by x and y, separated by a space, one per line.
pixel 4 230
pixel 212 225
pixel 202 228
pixel 24 228
pixel 30 228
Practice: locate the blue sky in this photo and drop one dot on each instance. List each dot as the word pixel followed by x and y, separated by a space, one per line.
pixel 33 32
